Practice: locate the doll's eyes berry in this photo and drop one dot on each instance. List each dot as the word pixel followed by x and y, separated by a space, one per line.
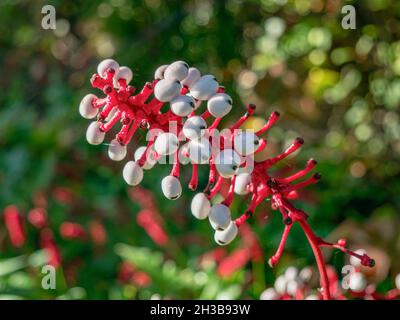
pixel 185 109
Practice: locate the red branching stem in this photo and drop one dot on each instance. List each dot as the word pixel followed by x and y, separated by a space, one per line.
pixel 105 127
pixel 273 118
pixel 319 257
pixel 305 183
pixel 291 149
pixel 176 166
pixel 131 131
pixel 364 258
pixel 249 211
pixel 275 258
pixel 229 198
pixel 247 115
pixel 262 145
pixel 215 124
pixel 216 187
pixel 194 180
pixel 310 165
pixel 145 154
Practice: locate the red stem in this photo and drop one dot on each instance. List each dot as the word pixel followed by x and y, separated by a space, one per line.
pixel 319 257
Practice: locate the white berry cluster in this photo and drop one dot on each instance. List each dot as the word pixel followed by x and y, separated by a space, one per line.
pixel 184 89
pixel 289 284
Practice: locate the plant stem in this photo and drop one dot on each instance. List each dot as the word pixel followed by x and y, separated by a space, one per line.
pixel 314 243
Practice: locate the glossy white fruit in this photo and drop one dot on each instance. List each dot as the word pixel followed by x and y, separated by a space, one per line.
pixel 241 183
pixel 199 151
pixel 219 105
pixel 357 282
pixel 280 284
pixel 397 281
pixel 204 88
pixel 171 187
pixel 355 261
pixel 249 165
pixel 291 287
pixel 93 133
pixel 246 143
pixel 226 236
pixel 200 206
pixel 220 217
pixel 194 127
pixel 166 90
pixel 269 294
pixel 197 103
pixel 86 108
pixel 183 105
pixel 312 297
pixel 306 274
pixel 291 273
pixel 106 65
pixel 183 154
pixel 159 73
pixel 116 151
pixel 150 160
pixel 124 73
pixel 192 77
pixel 132 173
pixel 166 143
pixel 177 70
pixel 227 163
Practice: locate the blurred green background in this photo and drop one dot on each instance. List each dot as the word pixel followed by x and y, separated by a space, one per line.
pixel 338 89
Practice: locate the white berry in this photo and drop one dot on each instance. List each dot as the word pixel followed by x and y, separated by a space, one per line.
pixel 93 133
pixel 219 105
pixel 220 217
pixel 269 294
pixel 397 281
pixel 86 108
pixel 124 73
pixel 204 88
pixel 246 143
pixel 183 154
pixel 150 160
pixel 291 287
pixel 132 173
pixel 166 143
pixel 177 70
pixel 192 77
pixel 200 206
pixel 199 151
pixel 159 73
pixel 357 282
pixel 312 297
pixel 224 237
pixel 291 273
pixel 183 105
pixel 107 65
pixel 227 163
pixel 194 127
pixel 116 151
pixel 171 187
pixel 166 90
pixel 280 284
pixel 241 183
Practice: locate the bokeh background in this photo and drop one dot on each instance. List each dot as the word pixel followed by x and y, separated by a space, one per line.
pixel 338 89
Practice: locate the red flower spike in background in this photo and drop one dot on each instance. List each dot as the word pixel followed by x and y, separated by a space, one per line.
pixel 13 222
pixel 190 136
